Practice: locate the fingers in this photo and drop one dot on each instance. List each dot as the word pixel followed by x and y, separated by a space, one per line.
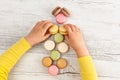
pixel 43 23
pixel 47 35
pixel 40 24
pixel 77 29
pixel 68 28
pixel 37 25
pixel 67 39
pixel 71 28
pixel 47 26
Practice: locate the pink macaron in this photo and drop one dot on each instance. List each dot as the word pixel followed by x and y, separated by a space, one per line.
pixel 60 18
pixel 53 70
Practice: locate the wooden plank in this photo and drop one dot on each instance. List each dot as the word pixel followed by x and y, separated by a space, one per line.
pixel 31 64
pixel 97 19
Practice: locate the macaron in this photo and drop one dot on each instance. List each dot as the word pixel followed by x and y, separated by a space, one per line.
pixel 47 61
pixel 62 30
pixel 53 70
pixel 65 12
pixel 58 38
pixel 61 63
pixel 56 11
pixel 49 45
pixel 55 55
pixel 63 47
pixel 53 29
pixel 60 18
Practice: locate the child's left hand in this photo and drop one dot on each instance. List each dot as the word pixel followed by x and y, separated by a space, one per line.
pixel 39 32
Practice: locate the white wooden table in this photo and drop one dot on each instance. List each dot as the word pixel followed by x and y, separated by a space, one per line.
pixel 99 20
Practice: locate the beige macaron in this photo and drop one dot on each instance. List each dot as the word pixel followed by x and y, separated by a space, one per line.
pixel 62 30
pixel 49 45
pixel 53 29
pixel 63 47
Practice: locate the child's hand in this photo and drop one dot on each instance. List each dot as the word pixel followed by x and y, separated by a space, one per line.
pixel 39 33
pixel 75 40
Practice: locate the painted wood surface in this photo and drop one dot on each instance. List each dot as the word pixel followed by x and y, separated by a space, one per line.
pixel 99 20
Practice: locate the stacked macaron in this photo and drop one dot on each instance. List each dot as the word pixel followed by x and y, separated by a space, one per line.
pixel 60 14
pixel 57 46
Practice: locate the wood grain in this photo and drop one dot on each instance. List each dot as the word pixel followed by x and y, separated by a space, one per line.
pixel 99 20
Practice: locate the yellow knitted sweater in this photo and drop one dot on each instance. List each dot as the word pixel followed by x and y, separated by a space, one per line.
pixel 9 58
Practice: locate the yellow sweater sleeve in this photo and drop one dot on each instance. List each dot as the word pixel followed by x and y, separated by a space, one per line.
pixel 9 58
pixel 87 68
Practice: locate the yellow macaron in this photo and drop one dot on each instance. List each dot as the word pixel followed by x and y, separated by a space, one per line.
pixel 53 29
pixel 62 30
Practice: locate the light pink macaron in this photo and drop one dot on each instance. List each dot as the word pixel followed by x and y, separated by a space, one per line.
pixel 53 70
pixel 60 18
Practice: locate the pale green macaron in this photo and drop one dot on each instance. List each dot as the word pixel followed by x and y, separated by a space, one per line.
pixel 58 38
pixel 55 55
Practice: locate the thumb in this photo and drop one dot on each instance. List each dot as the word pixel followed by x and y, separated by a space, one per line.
pixel 67 39
pixel 47 35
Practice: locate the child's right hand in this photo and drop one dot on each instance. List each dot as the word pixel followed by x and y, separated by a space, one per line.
pixel 75 40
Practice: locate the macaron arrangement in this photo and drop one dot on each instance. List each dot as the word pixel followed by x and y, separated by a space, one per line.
pixel 60 14
pixel 56 47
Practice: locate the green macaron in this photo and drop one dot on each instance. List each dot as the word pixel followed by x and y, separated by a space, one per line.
pixel 58 38
pixel 55 55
